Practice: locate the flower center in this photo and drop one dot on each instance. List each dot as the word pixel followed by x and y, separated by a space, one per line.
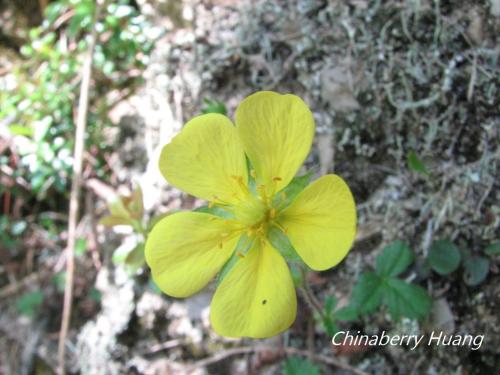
pixel 254 214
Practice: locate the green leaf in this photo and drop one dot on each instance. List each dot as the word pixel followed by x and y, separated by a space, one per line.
pixel 117 208
pixel 347 313
pixel 213 106
pixel 444 257
pixel 80 246
pixel 299 366
pixel 121 254
pixel 28 303
pixel 280 241
pixel 59 279
pixel 416 164
pixel 367 293
pixel 135 259
pixel 394 259
pixel 493 249
pixel 329 319
pixel 288 194
pixel 476 269
pixel 405 299
pixel 94 294
pixel 20 130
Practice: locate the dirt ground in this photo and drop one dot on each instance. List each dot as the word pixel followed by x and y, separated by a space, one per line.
pixel 382 78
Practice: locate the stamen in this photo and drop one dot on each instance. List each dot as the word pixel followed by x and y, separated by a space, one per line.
pixel 240 254
pixel 221 245
pixel 272 213
pixel 284 230
pixel 283 196
pixel 276 179
pixel 253 174
pixel 241 184
pixel 211 204
pixel 262 192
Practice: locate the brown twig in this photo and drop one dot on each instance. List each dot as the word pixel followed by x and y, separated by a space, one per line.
pixel 76 183
pixel 287 350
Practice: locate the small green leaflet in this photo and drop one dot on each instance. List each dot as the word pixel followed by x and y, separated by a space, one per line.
pixel 299 366
pixel 394 259
pixel 476 269
pixel 28 303
pixel 444 257
pixel 416 164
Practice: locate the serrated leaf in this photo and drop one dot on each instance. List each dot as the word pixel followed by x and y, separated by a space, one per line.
pixel 416 164
pixel 476 269
pixel 347 313
pixel 299 366
pixel 288 194
pixel 444 257
pixel 405 299
pixel 394 259
pixel 492 249
pixel 280 241
pixel 367 293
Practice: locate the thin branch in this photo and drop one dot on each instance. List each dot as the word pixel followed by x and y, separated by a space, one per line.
pixel 76 183
pixel 287 350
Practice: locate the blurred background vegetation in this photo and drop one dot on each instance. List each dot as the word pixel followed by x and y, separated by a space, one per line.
pixel 406 101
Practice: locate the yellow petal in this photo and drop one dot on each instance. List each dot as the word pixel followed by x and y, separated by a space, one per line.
pixel 187 249
pixel 276 132
pixel 257 298
pixel 321 222
pixel 204 158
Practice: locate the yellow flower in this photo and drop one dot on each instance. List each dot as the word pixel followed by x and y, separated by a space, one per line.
pixel 256 297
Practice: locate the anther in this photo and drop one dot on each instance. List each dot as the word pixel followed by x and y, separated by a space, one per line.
pixel 240 254
pixel 253 174
pixel 221 245
pixel 276 179
pixel 272 213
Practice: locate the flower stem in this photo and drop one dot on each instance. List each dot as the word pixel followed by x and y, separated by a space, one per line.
pixel 308 294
